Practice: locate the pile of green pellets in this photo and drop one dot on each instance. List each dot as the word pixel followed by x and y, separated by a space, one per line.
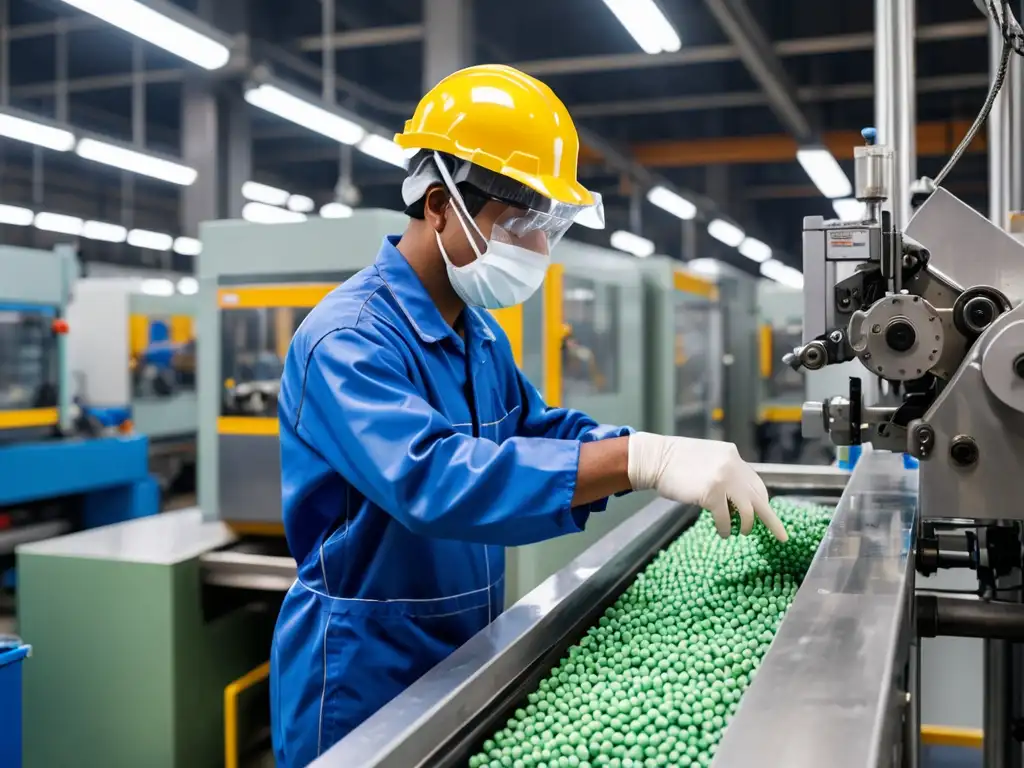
pixel 655 682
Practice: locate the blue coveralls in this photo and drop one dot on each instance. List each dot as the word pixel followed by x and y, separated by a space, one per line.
pixel 401 487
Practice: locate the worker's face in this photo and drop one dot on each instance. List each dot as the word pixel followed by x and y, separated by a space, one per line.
pixel 441 216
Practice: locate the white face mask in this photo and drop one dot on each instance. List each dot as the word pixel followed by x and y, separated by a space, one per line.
pixel 504 275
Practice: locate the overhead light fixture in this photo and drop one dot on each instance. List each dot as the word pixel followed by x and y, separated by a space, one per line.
pixel 725 232
pixel 264 193
pixel 161 30
pixel 23 127
pixel 301 204
pixel 383 149
pixel 755 250
pixel 188 286
pixel 157 287
pixel 783 274
pixel 15 216
pixel 59 223
pixel 101 230
pixel 305 113
pixel 824 170
pixel 335 211
pixel 136 162
pixel 187 246
pixel 259 213
pixel 154 241
pixel 667 200
pixel 630 243
pixel 850 209
pixel 647 25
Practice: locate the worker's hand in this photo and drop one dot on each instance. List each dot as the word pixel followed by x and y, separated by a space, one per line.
pixel 705 472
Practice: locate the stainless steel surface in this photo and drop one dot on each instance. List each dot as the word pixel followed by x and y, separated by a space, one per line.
pixel 799 478
pixel 904 140
pixel 248 570
pixel 954 232
pixel 868 337
pixel 989 488
pixel 830 690
pixel 871 172
pixel 417 726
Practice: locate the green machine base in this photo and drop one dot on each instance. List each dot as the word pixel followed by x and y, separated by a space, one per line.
pixel 125 669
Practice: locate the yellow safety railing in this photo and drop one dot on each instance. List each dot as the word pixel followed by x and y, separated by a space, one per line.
pixel 948 736
pixel 231 693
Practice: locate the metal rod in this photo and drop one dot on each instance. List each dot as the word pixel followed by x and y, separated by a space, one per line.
pixel 905 99
pixel 138 93
pixel 329 23
pixel 995 716
pixel 954 617
pixel 998 140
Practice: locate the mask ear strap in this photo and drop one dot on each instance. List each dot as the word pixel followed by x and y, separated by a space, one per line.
pixel 460 207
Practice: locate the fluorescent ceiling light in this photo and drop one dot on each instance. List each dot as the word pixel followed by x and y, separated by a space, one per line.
pixel 755 250
pixel 783 274
pixel 849 209
pixel 40 134
pixel 630 243
pixel 264 193
pixel 136 162
pixel 647 24
pixel 825 171
pixel 158 287
pixel 258 213
pixel 57 222
pixel 304 113
pixel 154 241
pixel 727 233
pixel 18 217
pixel 188 286
pixel 187 246
pixel 335 211
pixel 160 30
pixel 301 204
pixel 101 230
pixel 706 267
pixel 669 201
pixel 383 149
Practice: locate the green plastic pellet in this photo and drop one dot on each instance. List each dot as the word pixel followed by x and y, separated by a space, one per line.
pixel 657 679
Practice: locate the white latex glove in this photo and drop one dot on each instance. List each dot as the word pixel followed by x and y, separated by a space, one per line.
pixel 708 473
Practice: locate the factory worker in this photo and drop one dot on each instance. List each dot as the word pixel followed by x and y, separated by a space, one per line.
pixel 413 451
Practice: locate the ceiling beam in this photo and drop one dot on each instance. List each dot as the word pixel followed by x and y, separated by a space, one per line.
pixel 811 192
pixel 936 138
pixel 764 65
pixel 367 37
pixel 707 54
pixel 812 94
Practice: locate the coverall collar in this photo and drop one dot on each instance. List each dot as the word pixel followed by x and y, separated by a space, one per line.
pixel 416 303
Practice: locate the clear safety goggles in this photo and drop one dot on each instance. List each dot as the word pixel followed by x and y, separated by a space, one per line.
pixel 531 221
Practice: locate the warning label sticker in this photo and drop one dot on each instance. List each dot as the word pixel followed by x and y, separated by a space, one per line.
pixel 848 244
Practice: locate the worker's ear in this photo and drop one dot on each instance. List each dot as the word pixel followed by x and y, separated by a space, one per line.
pixel 435 207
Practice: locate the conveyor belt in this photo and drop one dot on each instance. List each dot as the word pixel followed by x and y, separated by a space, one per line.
pixel 861 573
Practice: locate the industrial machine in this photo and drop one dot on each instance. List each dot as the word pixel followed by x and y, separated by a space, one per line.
pixel 98 479
pixel 133 361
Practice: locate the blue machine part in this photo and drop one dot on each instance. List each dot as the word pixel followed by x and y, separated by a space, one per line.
pixel 160 353
pixel 848 456
pixel 12 653
pixel 47 470
pixel 39 309
pixel 109 417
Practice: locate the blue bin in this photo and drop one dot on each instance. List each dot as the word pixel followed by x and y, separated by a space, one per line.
pixel 12 652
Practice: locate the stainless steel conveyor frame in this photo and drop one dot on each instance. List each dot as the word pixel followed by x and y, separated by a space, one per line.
pixel 832 689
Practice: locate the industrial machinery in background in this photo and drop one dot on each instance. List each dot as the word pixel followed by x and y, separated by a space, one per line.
pixel 56 474
pixel 133 358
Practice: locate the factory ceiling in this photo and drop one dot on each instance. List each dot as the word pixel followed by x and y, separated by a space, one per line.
pixel 721 118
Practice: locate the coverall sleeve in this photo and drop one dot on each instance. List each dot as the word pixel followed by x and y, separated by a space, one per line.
pixel 361 412
pixel 540 420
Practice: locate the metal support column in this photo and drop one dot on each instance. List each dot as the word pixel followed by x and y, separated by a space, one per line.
pixel 448 39
pixel 895 97
pixel 999 150
pixel 216 133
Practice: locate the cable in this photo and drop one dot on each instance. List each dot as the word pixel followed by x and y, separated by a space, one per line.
pixel 1013 40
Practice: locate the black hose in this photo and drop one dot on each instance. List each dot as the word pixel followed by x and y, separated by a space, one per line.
pixel 952 617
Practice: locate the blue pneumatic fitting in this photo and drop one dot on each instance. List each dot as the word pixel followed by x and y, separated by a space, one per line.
pixel 909 462
pixel 848 457
pixel 870 135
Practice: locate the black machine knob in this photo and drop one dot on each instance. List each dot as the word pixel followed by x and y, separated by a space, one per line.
pixel 900 335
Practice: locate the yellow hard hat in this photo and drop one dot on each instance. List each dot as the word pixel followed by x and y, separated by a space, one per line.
pixel 501 119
